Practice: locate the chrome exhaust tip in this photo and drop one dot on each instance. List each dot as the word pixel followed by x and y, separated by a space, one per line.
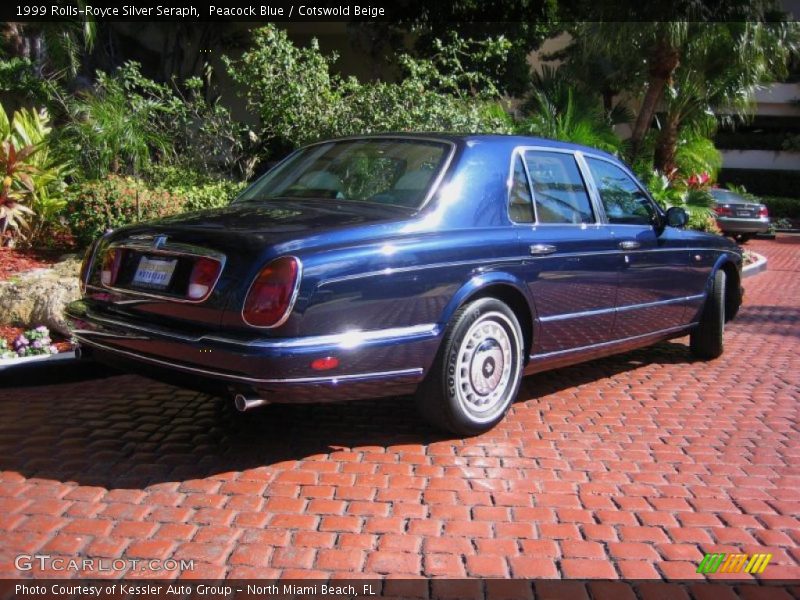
pixel 244 403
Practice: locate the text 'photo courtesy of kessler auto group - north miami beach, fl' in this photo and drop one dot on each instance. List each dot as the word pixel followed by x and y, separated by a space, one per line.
pixel 472 299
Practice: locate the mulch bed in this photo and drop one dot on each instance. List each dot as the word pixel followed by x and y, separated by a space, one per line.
pixel 14 261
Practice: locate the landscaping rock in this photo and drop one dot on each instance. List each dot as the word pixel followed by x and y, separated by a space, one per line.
pixel 38 297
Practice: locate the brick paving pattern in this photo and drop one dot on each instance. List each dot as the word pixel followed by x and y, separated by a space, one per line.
pixel 627 467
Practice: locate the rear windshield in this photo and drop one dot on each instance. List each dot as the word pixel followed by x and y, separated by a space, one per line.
pixel 726 196
pixel 382 171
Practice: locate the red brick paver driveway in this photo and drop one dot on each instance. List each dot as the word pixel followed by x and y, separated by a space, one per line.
pixel 632 466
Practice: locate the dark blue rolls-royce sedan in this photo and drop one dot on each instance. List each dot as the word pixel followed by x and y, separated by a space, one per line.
pixel 444 266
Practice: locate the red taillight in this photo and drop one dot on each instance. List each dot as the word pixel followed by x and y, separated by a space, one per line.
pixel 204 275
pixel 325 364
pixel 763 212
pixel 111 262
pixel 271 295
pixel 723 210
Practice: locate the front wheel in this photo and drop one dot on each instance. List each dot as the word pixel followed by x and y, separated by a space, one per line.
pixel 705 340
pixel 477 372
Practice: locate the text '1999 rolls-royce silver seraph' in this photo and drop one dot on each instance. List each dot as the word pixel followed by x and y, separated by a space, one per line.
pixel 441 266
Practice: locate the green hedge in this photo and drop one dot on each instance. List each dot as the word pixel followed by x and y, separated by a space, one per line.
pixel 764 182
pixel 95 206
pixel 782 208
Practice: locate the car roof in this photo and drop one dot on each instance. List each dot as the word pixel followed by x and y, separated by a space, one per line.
pixel 505 140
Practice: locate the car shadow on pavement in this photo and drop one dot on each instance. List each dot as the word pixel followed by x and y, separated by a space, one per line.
pixel 129 432
pixel 771 320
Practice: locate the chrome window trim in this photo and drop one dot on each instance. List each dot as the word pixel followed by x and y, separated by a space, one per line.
pixel 434 186
pixel 292 300
pixel 658 332
pixel 627 307
pixel 232 377
pixel 624 168
pixel 510 184
pixel 520 151
pixel 167 249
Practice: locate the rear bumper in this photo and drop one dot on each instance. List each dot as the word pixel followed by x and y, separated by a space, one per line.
pixel 371 364
pixel 734 225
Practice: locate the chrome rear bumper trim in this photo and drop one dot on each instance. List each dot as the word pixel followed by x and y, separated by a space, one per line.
pixel 332 380
pixel 345 340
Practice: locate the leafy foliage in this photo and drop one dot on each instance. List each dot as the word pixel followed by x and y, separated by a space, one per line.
pixel 96 206
pixel 196 191
pixel 115 128
pixel 558 110
pixel 694 198
pixel 299 99
pixel 33 178
pixel 127 122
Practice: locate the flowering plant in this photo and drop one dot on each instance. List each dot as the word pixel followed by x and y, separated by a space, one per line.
pixel 4 351
pixel 34 342
pixel 698 181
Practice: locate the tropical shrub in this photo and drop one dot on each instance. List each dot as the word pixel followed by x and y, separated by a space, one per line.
pixel 196 191
pixel 33 176
pixel 15 190
pixel 99 205
pixel 557 109
pixel 117 126
pixel 299 99
pixel 128 122
pixel 692 195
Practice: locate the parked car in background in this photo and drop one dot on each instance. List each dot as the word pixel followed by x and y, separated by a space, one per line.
pixel 441 266
pixel 739 217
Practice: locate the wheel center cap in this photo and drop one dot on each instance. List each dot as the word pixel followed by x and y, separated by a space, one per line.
pixel 488 367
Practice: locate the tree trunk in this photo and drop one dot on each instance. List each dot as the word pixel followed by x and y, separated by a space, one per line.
pixel 14 40
pixel 663 62
pixel 666 146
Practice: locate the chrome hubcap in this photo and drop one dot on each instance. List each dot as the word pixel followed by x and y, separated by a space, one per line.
pixel 486 365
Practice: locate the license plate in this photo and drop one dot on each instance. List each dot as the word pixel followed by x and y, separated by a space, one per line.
pixel 743 213
pixel 154 272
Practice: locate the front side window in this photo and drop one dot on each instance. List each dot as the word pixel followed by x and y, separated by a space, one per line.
pixel 384 171
pixel 558 189
pixel 624 202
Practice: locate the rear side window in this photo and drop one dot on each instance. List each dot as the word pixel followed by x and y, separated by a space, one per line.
pixel 520 207
pixel 624 202
pixel 558 188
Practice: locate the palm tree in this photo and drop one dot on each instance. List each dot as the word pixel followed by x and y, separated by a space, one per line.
pixel 723 65
pixel 52 47
pixel 661 46
pixel 558 109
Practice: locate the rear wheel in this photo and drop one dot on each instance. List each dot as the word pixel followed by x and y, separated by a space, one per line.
pixel 705 340
pixel 743 238
pixel 477 372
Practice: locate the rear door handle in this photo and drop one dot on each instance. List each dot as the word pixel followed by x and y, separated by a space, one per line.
pixel 629 245
pixel 540 249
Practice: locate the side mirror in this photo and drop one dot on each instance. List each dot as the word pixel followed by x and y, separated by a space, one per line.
pixel 677 217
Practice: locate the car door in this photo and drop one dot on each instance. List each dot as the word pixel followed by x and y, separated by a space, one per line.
pixel 572 271
pixel 654 265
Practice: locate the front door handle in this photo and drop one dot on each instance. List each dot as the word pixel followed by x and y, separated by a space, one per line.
pixel 629 245
pixel 540 249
